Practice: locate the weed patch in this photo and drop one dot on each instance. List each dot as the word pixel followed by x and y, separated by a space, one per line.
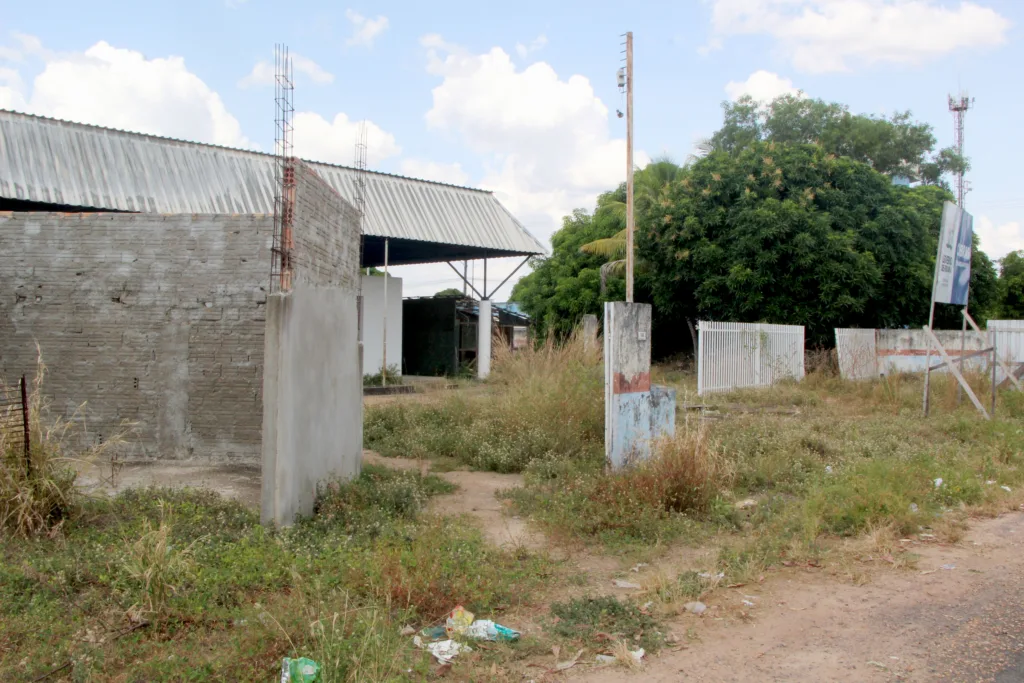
pixel 654 501
pixel 224 598
pixel 540 402
pixel 605 620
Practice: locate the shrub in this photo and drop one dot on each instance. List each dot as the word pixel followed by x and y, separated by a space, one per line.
pixel 649 501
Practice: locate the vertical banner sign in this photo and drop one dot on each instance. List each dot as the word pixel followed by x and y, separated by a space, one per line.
pixel 953 263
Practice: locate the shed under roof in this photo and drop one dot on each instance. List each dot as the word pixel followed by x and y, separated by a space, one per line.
pixel 54 163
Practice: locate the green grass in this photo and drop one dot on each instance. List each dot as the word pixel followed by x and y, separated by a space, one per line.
pixel 594 622
pixel 336 587
pixel 544 402
pixel 824 459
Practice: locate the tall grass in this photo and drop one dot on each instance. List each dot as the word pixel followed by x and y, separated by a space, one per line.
pixel 40 501
pixel 540 402
pixel 650 501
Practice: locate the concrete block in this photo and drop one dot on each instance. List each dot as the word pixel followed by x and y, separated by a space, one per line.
pixel 663 412
pixel 591 331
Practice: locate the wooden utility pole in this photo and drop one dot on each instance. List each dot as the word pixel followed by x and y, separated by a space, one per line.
pixel 629 167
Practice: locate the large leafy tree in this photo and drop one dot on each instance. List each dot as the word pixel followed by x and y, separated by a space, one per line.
pixel 893 145
pixel 791 233
pixel 1011 286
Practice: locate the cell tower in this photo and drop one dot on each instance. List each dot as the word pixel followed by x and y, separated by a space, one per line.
pixel 959 107
pixel 284 172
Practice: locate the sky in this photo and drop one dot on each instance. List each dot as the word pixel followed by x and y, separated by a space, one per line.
pixel 521 98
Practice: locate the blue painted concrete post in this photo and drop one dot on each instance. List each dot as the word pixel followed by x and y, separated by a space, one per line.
pixel 627 379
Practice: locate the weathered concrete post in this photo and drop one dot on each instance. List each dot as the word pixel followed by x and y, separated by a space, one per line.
pixel 627 382
pixel 483 340
pixel 591 330
pixel 635 413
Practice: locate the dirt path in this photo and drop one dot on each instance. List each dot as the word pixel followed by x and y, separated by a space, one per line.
pixel 476 496
pixel 961 623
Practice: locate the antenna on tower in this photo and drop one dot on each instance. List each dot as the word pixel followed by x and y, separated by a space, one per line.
pixel 284 172
pixel 959 106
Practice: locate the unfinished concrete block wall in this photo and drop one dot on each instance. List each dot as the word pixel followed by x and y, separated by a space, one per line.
pixel 156 320
pixel 312 411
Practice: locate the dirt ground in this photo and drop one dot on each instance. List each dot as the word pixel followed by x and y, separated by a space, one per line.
pixel 237 482
pixel 958 615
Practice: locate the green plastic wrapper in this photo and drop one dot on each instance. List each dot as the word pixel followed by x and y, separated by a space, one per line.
pixel 300 670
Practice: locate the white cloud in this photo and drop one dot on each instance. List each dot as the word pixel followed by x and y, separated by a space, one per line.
pixel 536 44
pixel 429 170
pixel 820 36
pixel 545 141
pixel 121 88
pixel 999 240
pixel 763 86
pixel 365 30
pixel 263 72
pixel 334 142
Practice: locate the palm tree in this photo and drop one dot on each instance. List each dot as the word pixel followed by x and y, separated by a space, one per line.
pixel 649 184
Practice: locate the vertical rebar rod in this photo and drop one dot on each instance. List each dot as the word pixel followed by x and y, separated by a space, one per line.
pixel 25 426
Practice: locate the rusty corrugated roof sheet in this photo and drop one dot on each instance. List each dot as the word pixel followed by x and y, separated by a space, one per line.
pixel 60 162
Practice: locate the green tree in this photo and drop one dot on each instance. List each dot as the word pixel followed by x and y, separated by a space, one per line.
pixel 895 145
pixel 566 285
pixel 794 234
pixel 449 292
pixel 1011 286
pixel 650 185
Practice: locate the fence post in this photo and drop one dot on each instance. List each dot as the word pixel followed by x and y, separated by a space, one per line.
pixel 24 419
pixel 700 358
pixel 994 335
pixel 757 356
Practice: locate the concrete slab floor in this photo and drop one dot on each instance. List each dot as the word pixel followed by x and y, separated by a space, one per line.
pixel 237 482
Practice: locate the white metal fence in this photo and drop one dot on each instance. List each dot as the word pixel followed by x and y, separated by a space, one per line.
pixel 858 353
pixel 737 355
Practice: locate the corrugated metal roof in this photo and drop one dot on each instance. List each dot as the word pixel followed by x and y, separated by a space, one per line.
pixel 60 162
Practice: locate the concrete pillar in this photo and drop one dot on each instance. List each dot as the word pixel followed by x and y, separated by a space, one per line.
pixel 591 330
pixel 627 380
pixel 312 397
pixel 483 340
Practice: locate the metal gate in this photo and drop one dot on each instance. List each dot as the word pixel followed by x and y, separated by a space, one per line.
pixel 736 355
pixel 858 353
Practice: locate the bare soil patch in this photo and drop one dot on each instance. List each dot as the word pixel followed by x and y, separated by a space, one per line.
pixel 957 616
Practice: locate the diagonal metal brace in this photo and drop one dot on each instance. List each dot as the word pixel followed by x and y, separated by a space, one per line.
pixel 956 372
pixel 1002 364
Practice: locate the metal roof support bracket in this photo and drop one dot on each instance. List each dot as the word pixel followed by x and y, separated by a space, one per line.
pixel 523 263
pixel 463 278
